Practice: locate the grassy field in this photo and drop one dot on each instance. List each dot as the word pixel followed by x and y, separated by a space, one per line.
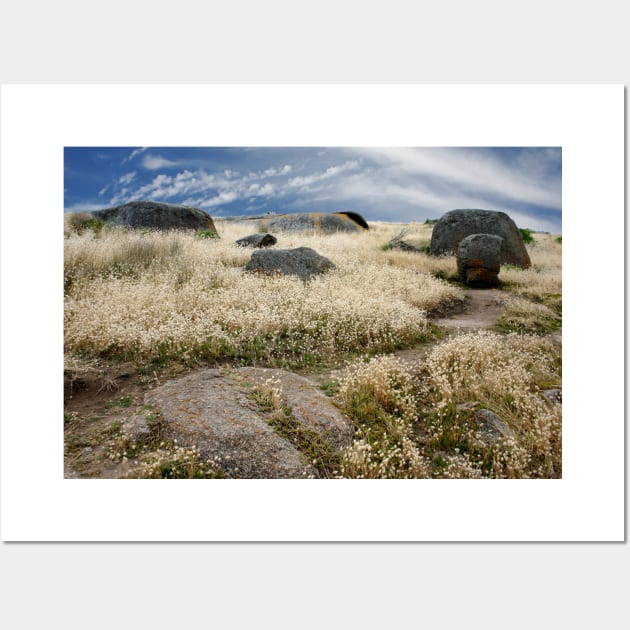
pixel 175 301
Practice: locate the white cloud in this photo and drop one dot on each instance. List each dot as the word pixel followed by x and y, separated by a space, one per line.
pixel 272 171
pixel 305 182
pixel 102 191
pixel 470 170
pixel 153 162
pixel 268 189
pixel 133 154
pixel 221 198
pixel 126 179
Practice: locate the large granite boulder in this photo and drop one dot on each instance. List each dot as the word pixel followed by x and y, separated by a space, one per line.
pixel 456 225
pixel 479 259
pixel 212 412
pixel 156 215
pixel 316 221
pixel 303 262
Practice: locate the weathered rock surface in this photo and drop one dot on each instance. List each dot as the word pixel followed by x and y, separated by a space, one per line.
pixel 136 428
pixel 210 410
pixel 456 225
pixel 491 428
pixel 327 223
pixel 310 406
pixel 257 240
pixel 479 259
pixel 156 215
pixel 303 262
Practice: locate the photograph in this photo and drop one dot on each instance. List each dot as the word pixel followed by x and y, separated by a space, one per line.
pixel 316 312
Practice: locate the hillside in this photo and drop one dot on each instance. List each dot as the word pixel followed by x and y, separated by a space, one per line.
pixel 414 374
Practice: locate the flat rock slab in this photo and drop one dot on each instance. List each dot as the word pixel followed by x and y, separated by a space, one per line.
pixel 210 409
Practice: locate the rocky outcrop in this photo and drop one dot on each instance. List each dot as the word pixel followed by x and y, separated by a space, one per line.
pixel 303 262
pixel 156 215
pixel 456 225
pixel 479 259
pixel 257 240
pixel 209 411
pixel 325 223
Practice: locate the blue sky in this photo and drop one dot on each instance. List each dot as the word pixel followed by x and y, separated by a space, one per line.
pixel 389 184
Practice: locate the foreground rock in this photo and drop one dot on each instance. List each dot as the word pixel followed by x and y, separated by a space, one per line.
pixel 456 225
pixel 310 406
pixel 156 215
pixel 479 259
pixel 303 262
pixel 326 223
pixel 257 240
pixel 213 411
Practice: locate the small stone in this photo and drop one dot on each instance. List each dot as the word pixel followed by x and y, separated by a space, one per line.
pixel 257 240
pixel 553 395
pixel 491 428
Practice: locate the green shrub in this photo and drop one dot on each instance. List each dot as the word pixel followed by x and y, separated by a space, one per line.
pixel 527 235
pixel 79 222
pixel 206 234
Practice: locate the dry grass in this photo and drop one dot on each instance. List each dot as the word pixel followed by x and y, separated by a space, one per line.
pixel 167 296
pixel 418 420
pixel 174 297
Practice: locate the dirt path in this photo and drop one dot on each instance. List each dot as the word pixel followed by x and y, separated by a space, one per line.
pixel 481 311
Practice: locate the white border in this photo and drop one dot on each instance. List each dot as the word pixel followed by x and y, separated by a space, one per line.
pixel 38 504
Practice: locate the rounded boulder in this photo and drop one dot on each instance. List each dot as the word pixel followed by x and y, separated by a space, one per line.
pixel 303 262
pixel 157 216
pixel 456 225
pixel 479 259
pixel 325 223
